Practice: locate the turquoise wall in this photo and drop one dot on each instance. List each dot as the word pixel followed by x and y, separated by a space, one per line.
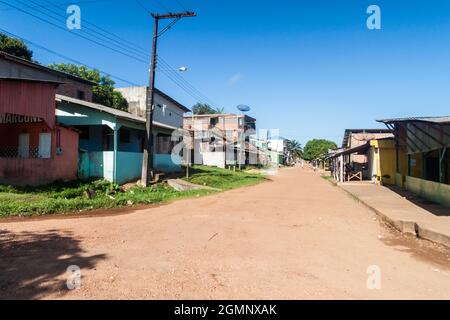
pixel 129 166
pixel 164 163
pixel 95 141
pixel 101 165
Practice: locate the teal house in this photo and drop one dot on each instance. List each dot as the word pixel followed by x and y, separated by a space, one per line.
pixel 111 141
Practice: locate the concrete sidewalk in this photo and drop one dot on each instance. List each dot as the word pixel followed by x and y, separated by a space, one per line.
pixel 404 211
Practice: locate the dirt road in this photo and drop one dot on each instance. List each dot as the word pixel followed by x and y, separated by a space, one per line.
pixel 296 237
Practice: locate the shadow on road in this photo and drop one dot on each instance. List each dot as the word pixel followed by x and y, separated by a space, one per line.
pixel 33 265
pixel 421 250
pixel 431 207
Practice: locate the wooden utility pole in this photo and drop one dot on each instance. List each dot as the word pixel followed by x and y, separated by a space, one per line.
pixel 147 164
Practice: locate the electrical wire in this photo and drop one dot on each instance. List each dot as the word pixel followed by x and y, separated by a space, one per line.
pixel 66 57
pixel 87 30
pixel 136 54
pixel 76 34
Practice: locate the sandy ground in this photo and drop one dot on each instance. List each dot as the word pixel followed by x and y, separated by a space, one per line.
pixel 296 237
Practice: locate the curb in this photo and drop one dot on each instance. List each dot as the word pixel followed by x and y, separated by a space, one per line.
pixel 405 226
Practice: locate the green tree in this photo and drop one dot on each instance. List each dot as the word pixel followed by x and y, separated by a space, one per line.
pixel 203 108
pixel 295 149
pixel 15 47
pixel 103 92
pixel 316 148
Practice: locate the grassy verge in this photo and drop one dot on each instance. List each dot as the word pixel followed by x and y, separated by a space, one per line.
pixel 222 179
pixel 326 177
pixel 72 197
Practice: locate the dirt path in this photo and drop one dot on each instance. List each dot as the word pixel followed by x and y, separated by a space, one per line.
pixel 297 237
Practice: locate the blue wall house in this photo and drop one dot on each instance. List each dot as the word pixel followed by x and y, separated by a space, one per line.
pixel 111 141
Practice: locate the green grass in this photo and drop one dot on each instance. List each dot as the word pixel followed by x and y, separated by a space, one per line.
pixel 70 197
pixel 222 179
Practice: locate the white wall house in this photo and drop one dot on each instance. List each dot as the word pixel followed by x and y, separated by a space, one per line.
pixel 167 110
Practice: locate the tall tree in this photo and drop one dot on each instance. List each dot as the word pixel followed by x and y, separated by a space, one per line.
pixel 316 148
pixel 15 47
pixel 294 151
pixel 203 108
pixel 103 92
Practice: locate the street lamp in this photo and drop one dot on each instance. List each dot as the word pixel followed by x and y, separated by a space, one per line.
pixel 180 69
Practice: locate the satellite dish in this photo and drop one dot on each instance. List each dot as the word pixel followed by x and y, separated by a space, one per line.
pixel 243 108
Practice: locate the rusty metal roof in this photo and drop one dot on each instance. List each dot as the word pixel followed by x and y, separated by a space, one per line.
pixel 349 132
pixel 34 65
pixel 440 120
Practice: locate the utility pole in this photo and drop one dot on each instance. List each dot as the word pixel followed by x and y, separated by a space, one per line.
pixel 147 164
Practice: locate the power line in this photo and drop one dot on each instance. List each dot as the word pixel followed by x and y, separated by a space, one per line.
pixel 133 45
pixel 183 85
pixel 90 32
pixel 67 3
pixel 187 84
pixel 138 56
pixel 66 57
pixel 170 25
pixel 76 34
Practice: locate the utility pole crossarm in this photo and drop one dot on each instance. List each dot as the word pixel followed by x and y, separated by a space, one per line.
pixel 170 15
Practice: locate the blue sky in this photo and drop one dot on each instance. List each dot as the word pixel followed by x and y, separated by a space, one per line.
pixel 310 68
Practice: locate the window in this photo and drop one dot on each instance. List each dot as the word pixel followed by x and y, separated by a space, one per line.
pixel 24 145
pixel 45 145
pixel 213 121
pixel 124 136
pixel 81 95
pixel 164 144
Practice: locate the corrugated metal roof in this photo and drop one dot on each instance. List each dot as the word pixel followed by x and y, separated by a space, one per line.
pixel 115 112
pixel 349 132
pixel 360 148
pixel 443 119
pixel 31 64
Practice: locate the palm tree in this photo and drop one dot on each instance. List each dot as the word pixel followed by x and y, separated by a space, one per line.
pixel 294 151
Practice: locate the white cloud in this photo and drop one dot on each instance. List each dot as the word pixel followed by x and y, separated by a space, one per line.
pixel 235 79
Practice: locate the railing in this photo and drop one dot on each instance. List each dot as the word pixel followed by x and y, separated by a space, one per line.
pixel 16 152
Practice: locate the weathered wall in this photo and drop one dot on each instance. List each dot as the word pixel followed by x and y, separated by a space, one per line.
pixel 433 191
pixel 10 133
pixel 28 99
pixel 70 88
pixel 387 161
pixel 29 171
pixel 215 159
pixel 165 112
pixel 416 165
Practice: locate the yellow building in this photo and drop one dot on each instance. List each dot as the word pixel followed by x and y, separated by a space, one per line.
pixel 422 161
pixel 383 155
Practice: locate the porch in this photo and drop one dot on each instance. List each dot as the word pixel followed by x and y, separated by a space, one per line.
pixel 422 147
pixel 112 141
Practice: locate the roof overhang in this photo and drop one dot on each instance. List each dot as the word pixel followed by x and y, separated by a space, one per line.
pixel 34 65
pixel 119 114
